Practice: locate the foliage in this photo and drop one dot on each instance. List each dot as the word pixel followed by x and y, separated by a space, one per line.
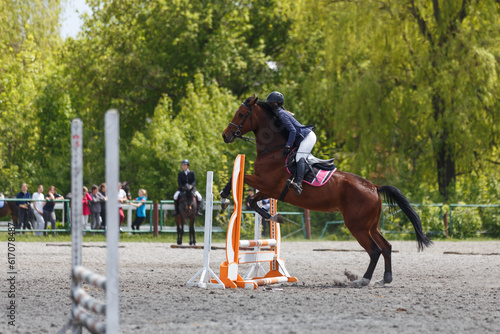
pixel 402 93
pixel 28 39
pixel 406 93
pixel 192 135
pixel 466 222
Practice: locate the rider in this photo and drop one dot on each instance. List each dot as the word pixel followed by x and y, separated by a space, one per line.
pixel 300 136
pixel 184 178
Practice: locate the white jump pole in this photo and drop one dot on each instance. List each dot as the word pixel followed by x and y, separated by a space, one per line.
pixel 76 204
pixel 112 133
pixel 206 274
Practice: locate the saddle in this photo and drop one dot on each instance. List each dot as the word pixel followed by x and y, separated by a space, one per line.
pixel 318 171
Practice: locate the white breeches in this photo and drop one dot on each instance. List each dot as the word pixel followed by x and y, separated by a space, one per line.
pixel 197 194
pixel 306 146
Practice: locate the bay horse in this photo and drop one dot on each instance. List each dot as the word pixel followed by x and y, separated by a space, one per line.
pixel 187 210
pixel 10 207
pixel 356 198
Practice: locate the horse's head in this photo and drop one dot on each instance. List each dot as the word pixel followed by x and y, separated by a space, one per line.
pixel 187 195
pixel 243 121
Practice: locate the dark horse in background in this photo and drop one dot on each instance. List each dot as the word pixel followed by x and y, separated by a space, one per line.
pixel 10 207
pixel 357 199
pixel 187 210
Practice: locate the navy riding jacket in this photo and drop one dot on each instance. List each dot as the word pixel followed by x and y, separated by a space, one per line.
pixel 297 132
pixel 183 179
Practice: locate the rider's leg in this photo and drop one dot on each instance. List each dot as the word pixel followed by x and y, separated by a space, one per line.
pixel 176 202
pixel 303 152
pixel 200 203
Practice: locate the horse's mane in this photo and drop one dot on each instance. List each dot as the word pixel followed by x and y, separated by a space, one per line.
pixel 269 108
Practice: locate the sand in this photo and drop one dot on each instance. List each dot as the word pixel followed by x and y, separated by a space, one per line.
pixel 431 291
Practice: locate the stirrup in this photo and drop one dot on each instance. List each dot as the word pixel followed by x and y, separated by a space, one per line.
pixel 296 187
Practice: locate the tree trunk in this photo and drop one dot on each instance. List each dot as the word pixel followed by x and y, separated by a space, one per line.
pixel 445 159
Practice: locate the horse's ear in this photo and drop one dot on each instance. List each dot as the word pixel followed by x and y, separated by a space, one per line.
pixel 254 99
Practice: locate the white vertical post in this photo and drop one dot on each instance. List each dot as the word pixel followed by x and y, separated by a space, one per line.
pixel 76 203
pixel 209 203
pixel 206 274
pixel 112 135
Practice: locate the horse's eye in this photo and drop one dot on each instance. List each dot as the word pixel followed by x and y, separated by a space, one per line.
pixel 241 114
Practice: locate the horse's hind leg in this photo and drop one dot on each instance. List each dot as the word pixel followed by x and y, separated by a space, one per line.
pixel 360 227
pixel 386 251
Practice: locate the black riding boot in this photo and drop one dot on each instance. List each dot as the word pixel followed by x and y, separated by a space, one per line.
pixel 200 208
pixel 297 185
pixel 176 206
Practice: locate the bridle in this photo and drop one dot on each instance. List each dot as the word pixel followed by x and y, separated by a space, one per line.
pixel 237 132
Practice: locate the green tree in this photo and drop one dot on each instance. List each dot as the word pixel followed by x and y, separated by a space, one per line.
pixel 29 35
pixel 404 90
pixel 154 156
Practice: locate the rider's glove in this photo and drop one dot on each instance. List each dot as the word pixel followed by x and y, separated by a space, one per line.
pixel 286 151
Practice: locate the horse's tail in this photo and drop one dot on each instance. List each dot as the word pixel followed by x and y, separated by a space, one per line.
pixel 393 196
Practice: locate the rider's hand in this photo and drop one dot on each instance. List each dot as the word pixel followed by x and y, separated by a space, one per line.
pixel 286 151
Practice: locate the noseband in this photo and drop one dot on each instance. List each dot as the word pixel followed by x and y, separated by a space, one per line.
pixel 237 132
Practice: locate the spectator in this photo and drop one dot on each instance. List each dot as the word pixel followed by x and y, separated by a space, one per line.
pixel 38 205
pixel 251 193
pixel 86 200
pixel 23 208
pixel 103 190
pixel 95 208
pixel 141 209
pixel 48 210
pixel 122 197
pixel 265 222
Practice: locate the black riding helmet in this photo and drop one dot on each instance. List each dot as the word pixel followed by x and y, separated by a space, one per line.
pixel 276 97
pixel 185 162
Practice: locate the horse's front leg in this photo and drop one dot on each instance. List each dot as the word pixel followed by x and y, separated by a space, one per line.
pixel 251 180
pixel 224 194
pixel 192 240
pixel 180 229
pixel 266 215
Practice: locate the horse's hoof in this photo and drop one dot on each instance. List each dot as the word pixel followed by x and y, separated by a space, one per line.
pixel 387 278
pixel 276 218
pixel 360 283
pixel 224 203
pixel 379 284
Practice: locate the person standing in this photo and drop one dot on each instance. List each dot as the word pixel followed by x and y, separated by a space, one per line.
pixel 122 197
pixel 23 220
pixel 103 190
pixel 38 204
pixel 251 193
pixel 48 210
pixel 86 200
pixel 95 208
pixel 141 209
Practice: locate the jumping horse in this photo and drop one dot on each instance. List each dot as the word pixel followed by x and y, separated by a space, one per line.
pixel 187 210
pixel 356 198
pixel 10 207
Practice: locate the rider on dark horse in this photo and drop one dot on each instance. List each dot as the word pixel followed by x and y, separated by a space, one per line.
pixel 187 178
pixel 300 136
